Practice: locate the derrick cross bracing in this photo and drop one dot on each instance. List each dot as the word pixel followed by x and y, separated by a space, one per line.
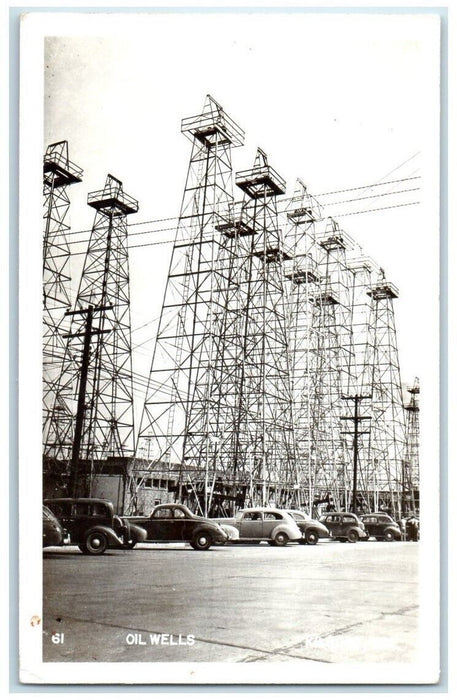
pixel 98 359
pixel 59 173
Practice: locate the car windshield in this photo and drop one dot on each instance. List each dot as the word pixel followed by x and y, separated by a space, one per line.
pixel 299 515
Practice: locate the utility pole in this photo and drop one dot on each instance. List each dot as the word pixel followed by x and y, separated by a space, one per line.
pixel 356 418
pixel 79 422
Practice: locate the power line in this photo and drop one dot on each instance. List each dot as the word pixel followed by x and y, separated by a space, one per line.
pixel 282 200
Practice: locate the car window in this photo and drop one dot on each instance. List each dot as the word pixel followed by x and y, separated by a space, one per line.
pixel 81 509
pixel 163 513
pixel 297 516
pixel 348 519
pixel 99 509
pixel 273 516
pixel 252 516
pixel 333 519
pixel 178 513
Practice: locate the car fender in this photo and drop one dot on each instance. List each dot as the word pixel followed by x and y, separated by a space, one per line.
pixel 137 533
pixel 361 533
pixel 213 529
pixel 319 528
pixel 292 532
pixel 394 530
pixel 112 537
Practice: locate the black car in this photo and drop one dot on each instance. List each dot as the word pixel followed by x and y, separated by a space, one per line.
pixel 92 524
pixel 381 526
pixel 53 532
pixel 345 527
pixel 173 522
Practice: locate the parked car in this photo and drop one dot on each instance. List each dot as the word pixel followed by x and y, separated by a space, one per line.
pixel 344 526
pixel 274 525
pixel 174 522
pixel 311 529
pixel 381 526
pixel 53 532
pixel 92 524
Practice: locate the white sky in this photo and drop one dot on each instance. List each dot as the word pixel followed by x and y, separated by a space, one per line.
pixel 339 101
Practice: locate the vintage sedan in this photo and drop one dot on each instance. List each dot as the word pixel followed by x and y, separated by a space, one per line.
pixel 174 522
pixel 381 526
pixel 272 525
pixel 92 524
pixel 345 527
pixel 311 529
pixel 53 532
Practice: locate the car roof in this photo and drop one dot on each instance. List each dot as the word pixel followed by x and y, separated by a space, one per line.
pixel 340 512
pixel 264 509
pixel 78 500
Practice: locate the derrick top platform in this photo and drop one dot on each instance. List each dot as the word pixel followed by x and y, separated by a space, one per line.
pixel 213 126
pixel 58 168
pixel 383 290
pixel 260 181
pixel 113 199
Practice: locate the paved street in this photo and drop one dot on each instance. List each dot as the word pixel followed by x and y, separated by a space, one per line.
pixel 334 602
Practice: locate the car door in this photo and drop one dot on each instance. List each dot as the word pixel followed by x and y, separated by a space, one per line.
pixel 334 525
pixel 161 526
pixel 270 521
pixel 183 525
pixel 251 525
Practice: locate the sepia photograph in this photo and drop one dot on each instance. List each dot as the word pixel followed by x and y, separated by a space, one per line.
pixel 229 347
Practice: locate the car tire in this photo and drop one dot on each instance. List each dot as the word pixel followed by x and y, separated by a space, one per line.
pixel 201 541
pixel 353 536
pixel 389 536
pixel 312 537
pixel 96 543
pixel 281 539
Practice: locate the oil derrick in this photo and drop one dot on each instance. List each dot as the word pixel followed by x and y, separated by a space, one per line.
pixel 185 416
pixel 363 270
pixel 410 478
pixel 387 435
pixel 336 370
pixel 58 174
pixel 305 319
pixel 98 357
pixel 264 425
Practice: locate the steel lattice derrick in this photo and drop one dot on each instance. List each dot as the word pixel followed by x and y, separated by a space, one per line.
pixel 185 415
pixel 264 443
pixel 58 174
pixel 364 270
pixel 387 436
pixel 98 351
pixel 305 319
pixel 336 370
pixel 411 460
